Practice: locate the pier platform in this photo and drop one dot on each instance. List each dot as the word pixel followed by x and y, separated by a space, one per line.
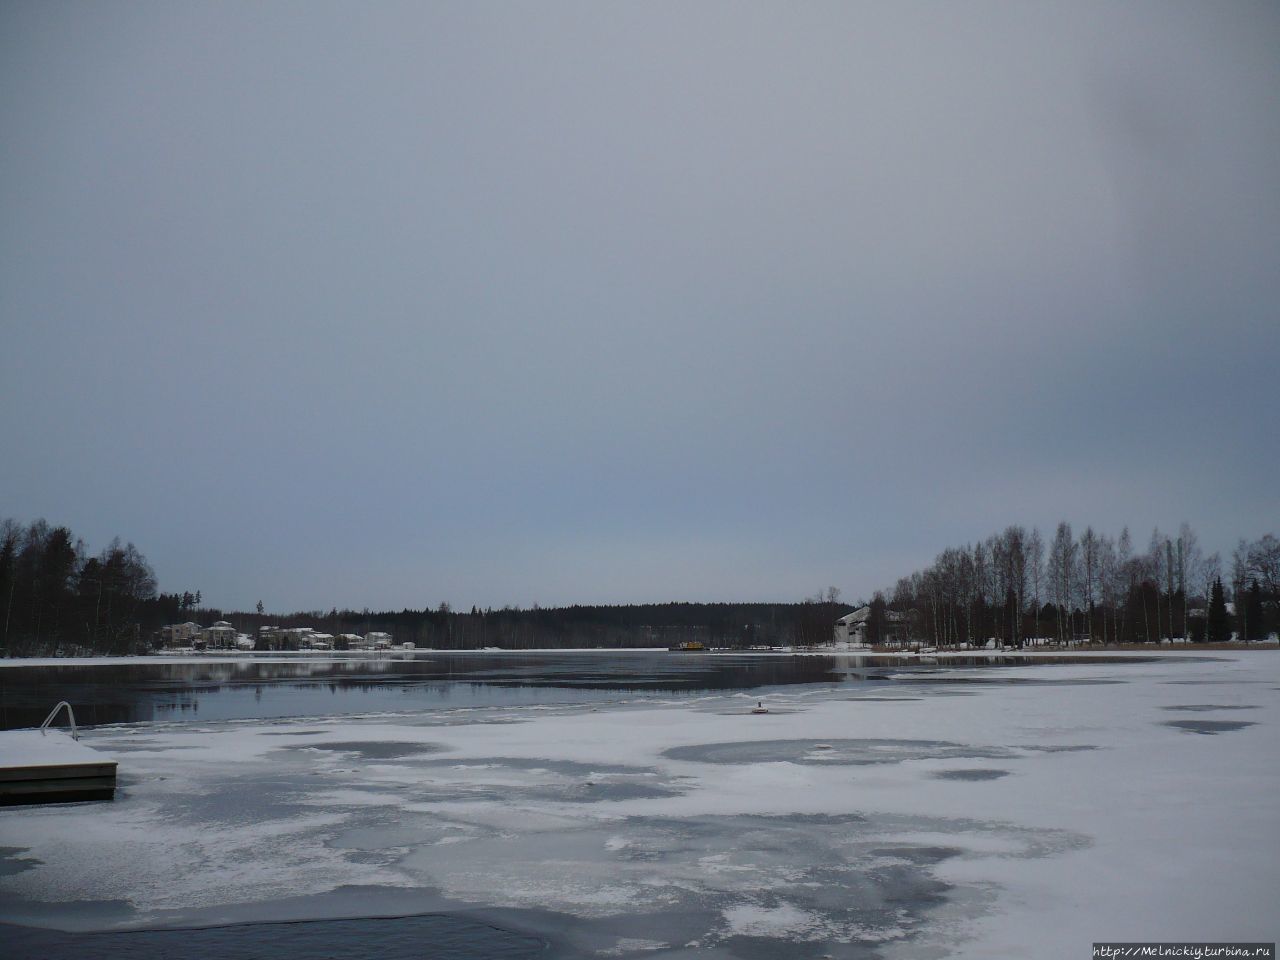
pixel 50 766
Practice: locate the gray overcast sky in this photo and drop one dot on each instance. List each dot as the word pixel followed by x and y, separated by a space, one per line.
pixel 386 304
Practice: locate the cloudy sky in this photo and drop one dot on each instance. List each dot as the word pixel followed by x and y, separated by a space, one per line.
pixel 393 303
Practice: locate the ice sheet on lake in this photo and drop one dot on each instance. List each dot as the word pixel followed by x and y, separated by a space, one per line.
pixel 1024 819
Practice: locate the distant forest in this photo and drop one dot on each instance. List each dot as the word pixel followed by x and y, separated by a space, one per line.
pixel 633 625
pixel 56 598
pixel 1092 588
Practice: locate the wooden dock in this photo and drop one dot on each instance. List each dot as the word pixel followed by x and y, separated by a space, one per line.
pixel 50 766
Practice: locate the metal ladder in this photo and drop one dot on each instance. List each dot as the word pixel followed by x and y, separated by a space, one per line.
pixel 71 715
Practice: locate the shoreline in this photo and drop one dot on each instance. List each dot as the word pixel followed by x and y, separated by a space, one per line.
pixel 295 656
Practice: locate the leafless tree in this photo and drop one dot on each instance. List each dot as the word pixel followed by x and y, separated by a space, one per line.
pixel 1061 575
pixel 1108 585
pixel 1263 558
pixel 1035 570
pixel 1239 578
pixel 1126 567
pixel 1089 573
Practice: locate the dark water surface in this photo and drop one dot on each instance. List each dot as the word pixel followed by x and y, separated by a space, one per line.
pixel 251 688
pixel 396 938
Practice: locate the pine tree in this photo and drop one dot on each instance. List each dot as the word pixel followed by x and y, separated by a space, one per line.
pixel 1218 629
pixel 1255 625
pixel 1011 616
pixel 876 619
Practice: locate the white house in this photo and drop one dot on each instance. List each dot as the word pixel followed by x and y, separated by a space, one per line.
pixel 852 627
pixel 378 641
pixel 295 637
pixel 290 638
pixel 181 633
pixel 318 641
pixel 221 634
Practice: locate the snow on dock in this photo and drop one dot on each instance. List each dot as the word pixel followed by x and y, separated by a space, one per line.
pixel 49 766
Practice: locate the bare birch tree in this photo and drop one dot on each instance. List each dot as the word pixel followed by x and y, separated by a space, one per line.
pixel 1035 570
pixel 1125 567
pixel 1088 574
pixel 1061 574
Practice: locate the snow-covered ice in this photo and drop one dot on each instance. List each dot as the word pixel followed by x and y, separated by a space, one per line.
pixel 974 812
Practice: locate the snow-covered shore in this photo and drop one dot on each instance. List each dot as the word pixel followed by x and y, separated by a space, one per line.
pixel 293 656
pixel 977 812
pixel 324 656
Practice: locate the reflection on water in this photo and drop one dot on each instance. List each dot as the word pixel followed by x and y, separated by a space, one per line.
pixel 250 688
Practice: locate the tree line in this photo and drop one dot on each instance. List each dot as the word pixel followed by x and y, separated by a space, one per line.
pixel 737 625
pixel 58 598
pixel 1015 586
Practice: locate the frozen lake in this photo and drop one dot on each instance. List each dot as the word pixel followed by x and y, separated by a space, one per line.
pixel 566 806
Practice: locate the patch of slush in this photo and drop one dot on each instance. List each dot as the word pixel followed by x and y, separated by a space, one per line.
pixel 155 863
pixel 946 677
pixel 629 946
pixel 785 921
pixel 1209 727
pixel 12 861
pixel 795 878
pixel 1061 748
pixel 1207 707
pixel 147 746
pixel 291 733
pixel 768 711
pixel 971 775
pixel 506 778
pixel 569 768
pixel 834 752
pixel 371 749
pixel 922 854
